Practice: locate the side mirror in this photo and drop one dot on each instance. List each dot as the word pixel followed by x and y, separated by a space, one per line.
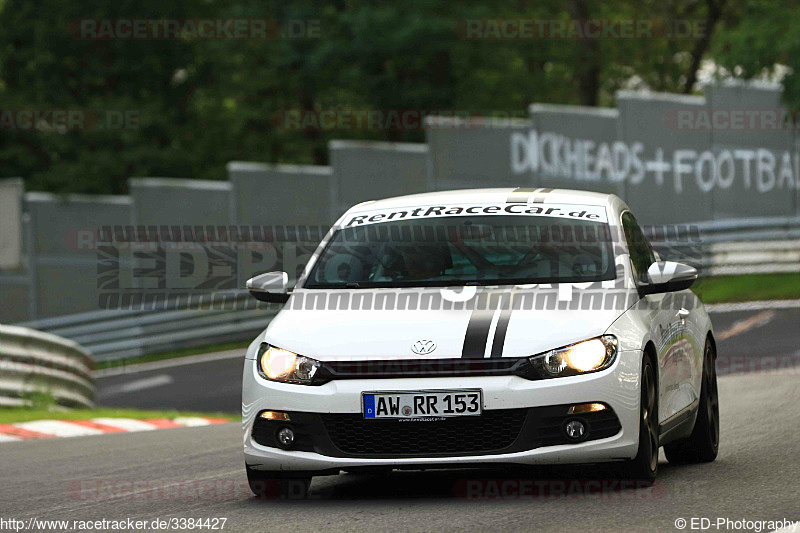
pixel 270 287
pixel 668 276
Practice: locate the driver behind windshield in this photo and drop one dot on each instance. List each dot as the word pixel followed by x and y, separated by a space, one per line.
pixel 425 262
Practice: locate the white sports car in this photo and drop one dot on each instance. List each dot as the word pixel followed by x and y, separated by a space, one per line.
pixel 480 327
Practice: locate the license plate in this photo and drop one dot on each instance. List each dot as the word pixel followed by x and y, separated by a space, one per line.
pixel 425 404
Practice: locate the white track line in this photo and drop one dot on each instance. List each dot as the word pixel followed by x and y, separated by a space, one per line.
pixel 139 384
pixel 127 424
pixel 754 321
pixel 170 363
pixel 8 438
pixel 753 306
pixel 58 428
pixel 191 421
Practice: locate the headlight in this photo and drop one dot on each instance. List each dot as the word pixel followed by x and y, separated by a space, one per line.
pixel 579 358
pixel 278 364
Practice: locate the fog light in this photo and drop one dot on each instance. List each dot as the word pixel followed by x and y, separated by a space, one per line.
pixel 586 408
pixel 274 415
pixel 285 437
pixel 575 429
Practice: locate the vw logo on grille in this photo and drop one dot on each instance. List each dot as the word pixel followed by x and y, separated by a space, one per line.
pixel 423 347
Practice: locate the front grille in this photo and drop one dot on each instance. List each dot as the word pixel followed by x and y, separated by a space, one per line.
pixel 422 368
pixel 492 431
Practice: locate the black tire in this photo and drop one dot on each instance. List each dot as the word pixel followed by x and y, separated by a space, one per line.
pixel 644 467
pixel 268 485
pixel 702 446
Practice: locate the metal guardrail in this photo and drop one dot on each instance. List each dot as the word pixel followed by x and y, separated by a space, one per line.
pixel 749 229
pixel 112 334
pixel 34 362
pixel 738 246
pixel 724 247
pixel 752 257
pixel 737 257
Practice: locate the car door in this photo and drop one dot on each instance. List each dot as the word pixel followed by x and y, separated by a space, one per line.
pixel 669 328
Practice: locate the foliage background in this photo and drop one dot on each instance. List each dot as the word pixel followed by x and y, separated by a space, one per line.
pixel 202 103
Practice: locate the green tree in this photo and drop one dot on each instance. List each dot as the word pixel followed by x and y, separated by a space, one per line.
pixel 202 103
pixel 754 40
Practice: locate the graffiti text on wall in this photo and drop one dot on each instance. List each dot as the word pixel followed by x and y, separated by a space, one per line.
pixel 556 155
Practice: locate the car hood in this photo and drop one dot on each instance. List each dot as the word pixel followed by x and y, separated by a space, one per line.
pixel 312 325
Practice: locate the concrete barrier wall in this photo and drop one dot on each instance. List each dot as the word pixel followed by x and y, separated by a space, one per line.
pixel 296 199
pixel 64 261
pixel 666 189
pixel 575 147
pixel 175 205
pixel 11 223
pixel 276 195
pixel 15 305
pixel 178 202
pixel 474 153
pixel 763 163
pixel 372 170
pixel 15 279
pixel 673 158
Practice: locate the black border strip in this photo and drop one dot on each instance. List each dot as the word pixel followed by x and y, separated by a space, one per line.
pixel 520 195
pixel 478 328
pixel 502 327
pixel 538 198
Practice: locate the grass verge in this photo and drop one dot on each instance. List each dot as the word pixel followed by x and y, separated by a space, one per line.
pixel 748 287
pixel 12 415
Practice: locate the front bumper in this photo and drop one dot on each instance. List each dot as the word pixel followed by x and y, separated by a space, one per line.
pixel 617 387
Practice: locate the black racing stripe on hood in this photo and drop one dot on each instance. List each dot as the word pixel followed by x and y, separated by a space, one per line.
pixel 499 339
pixel 478 328
pixel 519 195
pixel 537 199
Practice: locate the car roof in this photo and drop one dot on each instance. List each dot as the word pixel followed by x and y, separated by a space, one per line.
pixel 498 195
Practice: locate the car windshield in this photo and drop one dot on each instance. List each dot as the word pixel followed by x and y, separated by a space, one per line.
pixel 472 250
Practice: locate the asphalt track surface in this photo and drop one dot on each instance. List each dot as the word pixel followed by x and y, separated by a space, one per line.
pixel 198 472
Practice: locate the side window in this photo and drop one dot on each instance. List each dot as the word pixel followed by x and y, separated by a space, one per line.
pixel 642 255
